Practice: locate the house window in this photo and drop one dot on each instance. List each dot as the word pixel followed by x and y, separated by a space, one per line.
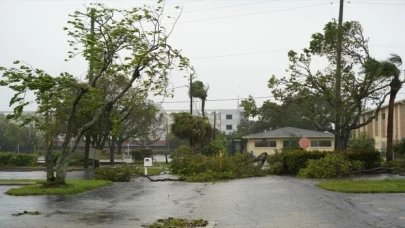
pixel 229 117
pixel 265 143
pixel 286 143
pixel 228 127
pixel 383 116
pixel 321 143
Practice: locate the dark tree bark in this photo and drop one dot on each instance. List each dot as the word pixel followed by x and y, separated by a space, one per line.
pixel 112 149
pixel 50 178
pixel 395 87
pixel 119 145
pixel 86 151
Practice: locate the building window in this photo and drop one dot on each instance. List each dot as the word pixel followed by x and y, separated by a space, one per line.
pixel 229 117
pixel 228 127
pixel 383 116
pixel 321 143
pixel 265 143
pixel 286 143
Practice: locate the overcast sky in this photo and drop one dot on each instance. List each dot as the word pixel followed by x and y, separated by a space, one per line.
pixel 235 45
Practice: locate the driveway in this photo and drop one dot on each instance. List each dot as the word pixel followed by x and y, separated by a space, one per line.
pixel 256 202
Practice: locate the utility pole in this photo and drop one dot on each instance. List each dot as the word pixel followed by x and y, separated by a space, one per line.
pixel 338 78
pixel 191 102
pixel 167 139
pixel 215 123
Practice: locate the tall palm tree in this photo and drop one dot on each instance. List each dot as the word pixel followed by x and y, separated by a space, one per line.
pixel 391 68
pixel 199 90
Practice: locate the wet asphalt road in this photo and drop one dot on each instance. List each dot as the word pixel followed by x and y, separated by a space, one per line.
pixel 256 202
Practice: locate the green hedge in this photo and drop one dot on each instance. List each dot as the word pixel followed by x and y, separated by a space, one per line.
pixel 11 159
pixel 196 167
pixel 77 159
pixel 370 159
pixel 122 173
pixel 294 160
pixel 140 154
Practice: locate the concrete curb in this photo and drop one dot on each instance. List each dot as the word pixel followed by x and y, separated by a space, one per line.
pixel 211 224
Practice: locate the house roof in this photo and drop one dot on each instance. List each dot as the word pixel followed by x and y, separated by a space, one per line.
pixel 287 132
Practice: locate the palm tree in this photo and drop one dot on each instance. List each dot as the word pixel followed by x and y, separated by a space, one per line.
pixel 187 126
pixel 199 90
pixel 391 68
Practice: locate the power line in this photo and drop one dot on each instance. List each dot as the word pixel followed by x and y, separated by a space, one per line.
pixel 279 50
pixel 229 99
pixel 378 3
pixel 248 14
pixel 240 54
pixel 229 6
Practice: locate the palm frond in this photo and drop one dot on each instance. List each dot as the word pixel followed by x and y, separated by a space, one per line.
pixel 395 59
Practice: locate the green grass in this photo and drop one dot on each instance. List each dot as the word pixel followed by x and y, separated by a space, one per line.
pixel 72 187
pixel 364 186
pixel 151 171
pixel 19 180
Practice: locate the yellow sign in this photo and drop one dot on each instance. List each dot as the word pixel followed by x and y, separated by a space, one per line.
pixel 95 154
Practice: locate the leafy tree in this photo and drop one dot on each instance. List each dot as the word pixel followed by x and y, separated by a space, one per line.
pixel 199 90
pixel 187 126
pixel 151 125
pixel 362 82
pixel 273 116
pixel 176 142
pixel 118 44
pixel 362 142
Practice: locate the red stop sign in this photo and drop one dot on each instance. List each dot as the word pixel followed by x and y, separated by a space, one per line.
pixel 304 143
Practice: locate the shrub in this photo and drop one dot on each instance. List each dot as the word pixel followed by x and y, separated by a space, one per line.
pixel 295 160
pixel 122 173
pixel 215 146
pixel 140 154
pixel 76 159
pixel 397 165
pixel 11 159
pixel 5 157
pixel 276 168
pixel 369 158
pixel 362 142
pixel 332 165
pixel 196 167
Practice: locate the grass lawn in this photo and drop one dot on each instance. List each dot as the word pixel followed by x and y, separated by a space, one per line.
pixel 19 180
pixel 72 187
pixel 364 186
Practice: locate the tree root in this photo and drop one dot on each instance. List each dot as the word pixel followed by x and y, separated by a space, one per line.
pixel 164 179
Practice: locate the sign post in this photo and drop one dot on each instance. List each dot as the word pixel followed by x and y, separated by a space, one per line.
pixel 95 155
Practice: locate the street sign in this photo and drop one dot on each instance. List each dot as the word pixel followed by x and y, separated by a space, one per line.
pixel 304 143
pixel 95 154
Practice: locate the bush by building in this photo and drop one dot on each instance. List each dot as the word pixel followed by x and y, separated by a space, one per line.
pixel 196 167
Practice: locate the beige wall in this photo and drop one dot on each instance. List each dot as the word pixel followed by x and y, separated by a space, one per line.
pixel 378 129
pixel 271 150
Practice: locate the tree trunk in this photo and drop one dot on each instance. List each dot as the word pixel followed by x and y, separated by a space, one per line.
pixel 395 87
pixel 119 145
pixel 50 178
pixel 112 149
pixel 342 139
pixel 203 107
pixel 86 151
